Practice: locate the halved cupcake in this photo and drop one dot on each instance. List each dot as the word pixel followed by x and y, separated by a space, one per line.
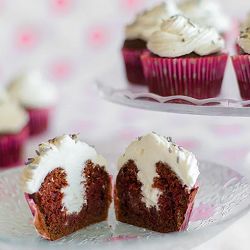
pixel 137 35
pixel 37 96
pixel 13 131
pixel 156 185
pixel 241 63
pixel 67 187
pixel 185 59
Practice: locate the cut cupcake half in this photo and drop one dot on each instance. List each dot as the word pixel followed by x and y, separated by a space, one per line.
pixel 67 187
pixel 156 185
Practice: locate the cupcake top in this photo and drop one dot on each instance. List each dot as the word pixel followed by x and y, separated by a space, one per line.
pixel 178 36
pixel 207 13
pixel 70 154
pixel 33 91
pixel 151 149
pixel 13 117
pixel 244 40
pixel 149 21
pixel 245 23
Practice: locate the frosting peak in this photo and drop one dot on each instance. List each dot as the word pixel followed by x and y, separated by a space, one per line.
pixel 244 40
pixel 70 154
pixel 151 149
pixel 206 13
pixel 179 36
pixel 149 21
pixel 33 91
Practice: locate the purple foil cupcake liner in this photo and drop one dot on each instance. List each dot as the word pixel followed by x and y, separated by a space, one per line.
pixel 197 77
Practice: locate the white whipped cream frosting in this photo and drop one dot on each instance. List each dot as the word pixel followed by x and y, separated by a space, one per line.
pixel 33 91
pixel 148 22
pixel 244 40
pixel 13 118
pixel 151 149
pixel 178 36
pixel 245 23
pixel 70 154
pixel 206 13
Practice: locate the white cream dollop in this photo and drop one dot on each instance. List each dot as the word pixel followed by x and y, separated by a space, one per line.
pixel 179 36
pixel 151 149
pixel 13 118
pixel 206 13
pixel 245 23
pixel 148 22
pixel 244 40
pixel 33 91
pixel 70 154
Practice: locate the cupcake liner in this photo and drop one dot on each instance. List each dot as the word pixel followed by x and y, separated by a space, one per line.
pixel 197 77
pixel 133 65
pixel 31 203
pixel 242 69
pixel 39 120
pixel 11 148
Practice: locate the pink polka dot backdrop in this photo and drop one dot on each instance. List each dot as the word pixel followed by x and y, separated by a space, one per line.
pixel 74 41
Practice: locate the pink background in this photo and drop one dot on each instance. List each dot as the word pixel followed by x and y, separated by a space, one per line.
pixel 72 41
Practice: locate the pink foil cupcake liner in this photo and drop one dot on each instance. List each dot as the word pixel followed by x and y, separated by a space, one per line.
pixel 39 120
pixel 242 69
pixel 133 65
pixel 11 148
pixel 197 77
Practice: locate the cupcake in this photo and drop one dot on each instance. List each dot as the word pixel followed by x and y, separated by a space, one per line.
pixel 137 35
pixel 156 185
pixel 184 59
pixel 67 187
pixel 241 63
pixel 206 13
pixel 13 131
pixel 37 96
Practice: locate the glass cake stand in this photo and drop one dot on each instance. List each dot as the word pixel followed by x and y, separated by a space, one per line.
pixel 224 196
pixel 113 87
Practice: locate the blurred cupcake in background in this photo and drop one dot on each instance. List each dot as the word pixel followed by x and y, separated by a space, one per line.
pixel 38 96
pixel 137 35
pixel 185 59
pixel 241 63
pixel 13 131
pixel 207 13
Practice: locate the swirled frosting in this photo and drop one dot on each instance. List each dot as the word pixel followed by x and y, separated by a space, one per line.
pixel 178 36
pixel 13 118
pixel 245 23
pixel 33 91
pixel 244 40
pixel 70 154
pixel 151 149
pixel 148 22
pixel 207 13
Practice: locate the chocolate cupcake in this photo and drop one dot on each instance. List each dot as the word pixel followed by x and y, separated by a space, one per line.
pixel 37 96
pixel 13 131
pixel 184 59
pixel 67 187
pixel 137 35
pixel 156 185
pixel 241 63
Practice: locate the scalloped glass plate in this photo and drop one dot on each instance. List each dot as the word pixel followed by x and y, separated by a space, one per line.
pixel 223 197
pixel 114 87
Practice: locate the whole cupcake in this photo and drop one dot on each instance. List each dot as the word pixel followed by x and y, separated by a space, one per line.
pixel 37 96
pixel 137 35
pixel 185 59
pixel 207 13
pixel 13 131
pixel 241 63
